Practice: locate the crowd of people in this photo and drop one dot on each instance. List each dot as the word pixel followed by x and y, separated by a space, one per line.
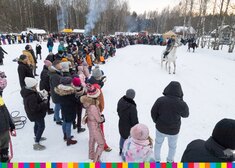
pixel 72 78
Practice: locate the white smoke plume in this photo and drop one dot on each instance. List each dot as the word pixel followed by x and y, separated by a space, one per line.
pixel 96 7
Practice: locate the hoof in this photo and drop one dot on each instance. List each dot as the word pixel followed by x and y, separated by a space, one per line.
pixel 173 72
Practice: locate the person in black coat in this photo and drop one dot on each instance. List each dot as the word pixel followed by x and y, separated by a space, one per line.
pixel 166 114
pixel 6 124
pixel 68 103
pixel 45 83
pixel 24 70
pixel 2 51
pixel 218 148
pixel 39 51
pixel 127 113
pixel 35 107
pixel 54 79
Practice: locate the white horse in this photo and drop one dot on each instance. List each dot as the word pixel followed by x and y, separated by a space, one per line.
pixel 170 58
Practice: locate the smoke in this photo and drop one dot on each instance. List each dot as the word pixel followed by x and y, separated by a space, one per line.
pixel 131 23
pixel 96 7
pixel 62 15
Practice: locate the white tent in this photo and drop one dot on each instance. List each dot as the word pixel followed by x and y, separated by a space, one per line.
pixel 79 31
pixel 36 31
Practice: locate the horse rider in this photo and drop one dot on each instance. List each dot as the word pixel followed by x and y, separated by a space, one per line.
pixel 169 46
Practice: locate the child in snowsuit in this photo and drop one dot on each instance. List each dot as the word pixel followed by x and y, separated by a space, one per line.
pixel 94 119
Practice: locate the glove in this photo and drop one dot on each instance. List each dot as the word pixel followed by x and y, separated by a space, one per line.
pixel 102 118
pixel 43 94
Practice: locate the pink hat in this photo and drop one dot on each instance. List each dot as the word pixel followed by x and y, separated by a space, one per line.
pixel 76 82
pixel 92 91
pixel 47 63
pixel 139 132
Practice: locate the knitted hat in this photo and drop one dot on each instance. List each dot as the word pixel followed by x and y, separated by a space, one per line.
pixel 2 74
pixel 65 66
pixel 97 73
pixel 64 60
pixel 27 47
pixel 224 133
pixel 30 82
pixel 76 82
pixel 66 80
pixel 47 63
pixel 130 93
pixel 92 91
pixel 139 132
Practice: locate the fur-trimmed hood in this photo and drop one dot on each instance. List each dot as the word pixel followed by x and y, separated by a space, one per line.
pixel 64 90
pixel 87 101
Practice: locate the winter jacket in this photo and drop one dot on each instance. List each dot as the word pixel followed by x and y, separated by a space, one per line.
pixel 54 80
pixel 67 101
pixel 168 110
pixel 24 71
pixel 206 151
pixel 5 118
pixel 127 113
pixel 50 43
pixel 2 52
pixel 44 79
pixel 34 106
pixel 30 57
pixel 89 60
pixel 3 83
pixel 137 151
pixel 34 57
pixel 38 49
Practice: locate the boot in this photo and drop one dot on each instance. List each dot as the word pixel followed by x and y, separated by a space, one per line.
pixel 74 125
pixel 71 142
pixel 50 111
pixel 38 147
pixel 4 155
pixel 79 130
pixel 120 151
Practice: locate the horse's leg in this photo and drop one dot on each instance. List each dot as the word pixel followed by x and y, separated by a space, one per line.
pixel 174 67
pixel 169 67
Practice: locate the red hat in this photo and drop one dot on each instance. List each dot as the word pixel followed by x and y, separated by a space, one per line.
pixel 76 82
pixel 92 91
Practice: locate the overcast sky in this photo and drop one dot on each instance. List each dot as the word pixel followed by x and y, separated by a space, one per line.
pixel 145 5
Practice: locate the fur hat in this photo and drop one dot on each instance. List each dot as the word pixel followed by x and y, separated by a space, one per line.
pixel 97 73
pixel 139 132
pixel 76 82
pixel 47 63
pixel 66 80
pixel 224 133
pixel 92 91
pixel 30 82
pixel 130 93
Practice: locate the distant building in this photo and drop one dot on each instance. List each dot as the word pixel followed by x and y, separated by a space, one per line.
pixel 226 31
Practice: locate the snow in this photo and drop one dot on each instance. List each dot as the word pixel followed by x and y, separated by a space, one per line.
pixel 207 78
pixel 79 30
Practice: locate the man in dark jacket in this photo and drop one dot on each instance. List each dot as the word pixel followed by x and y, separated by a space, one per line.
pixel 127 113
pixel 166 114
pixel 5 124
pixel 35 107
pixel 220 147
pixel 55 75
pixel 45 83
pixel 24 70
pixel 2 55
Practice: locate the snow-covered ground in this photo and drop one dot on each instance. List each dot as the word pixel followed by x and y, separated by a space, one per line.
pixel 207 78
